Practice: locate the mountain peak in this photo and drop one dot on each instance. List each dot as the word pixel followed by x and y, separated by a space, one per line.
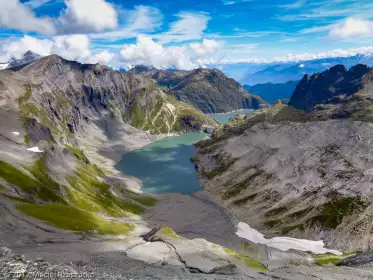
pixel 27 58
pixel 339 68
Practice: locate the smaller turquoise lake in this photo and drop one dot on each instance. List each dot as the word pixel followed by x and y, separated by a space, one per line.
pixel 164 166
pixel 223 118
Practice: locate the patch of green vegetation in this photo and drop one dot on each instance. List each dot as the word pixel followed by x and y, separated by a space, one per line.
pixel 138 113
pixel 289 113
pixel 70 218
pixel 245 200
pixel 169 232
pixel 300 213
pixel 224 165
pixel 26 96
pixel 364 114
pixel 15 177
pixel 326 259
pixel 91 194
pixel 17 199
pixel 250 262
pixel 277 211
pixel 114 109
pixel 294 262
pixel 210 174
pixel 272 223
pixel 41 187
pixel 286 230
pixel 334 211
pixel 48 187
pixel 144 200
pixel 161 122
pixel 30 109
pixel 194 159
pixel 78 153
pixel 2 187
pixel 239 187
pixel 26 138
pixel 156 106
pixel 62 103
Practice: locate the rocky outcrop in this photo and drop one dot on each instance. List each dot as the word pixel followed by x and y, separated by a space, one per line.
pixel 358 260
pixel 335 84
pixel 286 173
pixel 208 90
pixel 114 265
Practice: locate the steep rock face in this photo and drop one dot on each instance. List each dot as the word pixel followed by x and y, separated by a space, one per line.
pixel 208 90
pixel 321 87
pixel 64 95
pixel 286 173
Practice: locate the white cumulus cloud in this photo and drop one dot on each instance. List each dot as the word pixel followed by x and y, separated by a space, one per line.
pixel 16 48
pixel 148 52
pixel 207 47
pixel 83 16
pixel 103 57
pixel 352 27
pixel 16 15
pixel 71 47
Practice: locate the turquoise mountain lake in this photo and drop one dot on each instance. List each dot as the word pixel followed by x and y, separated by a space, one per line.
pixel 164 166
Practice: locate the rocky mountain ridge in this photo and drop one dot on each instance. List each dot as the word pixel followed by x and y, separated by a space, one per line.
pixel 335 84
pixel 208 90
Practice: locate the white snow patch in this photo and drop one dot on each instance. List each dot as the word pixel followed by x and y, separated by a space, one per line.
pixel 16 133
pixel 35 150
pixel 171 107
pixel 283 243
pixel 301 65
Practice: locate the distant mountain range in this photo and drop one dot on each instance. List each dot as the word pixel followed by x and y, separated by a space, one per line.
pixel 270 92
pixel 252 74
pixel 27 58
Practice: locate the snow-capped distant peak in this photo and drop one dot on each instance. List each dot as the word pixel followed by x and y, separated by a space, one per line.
pixel 28 57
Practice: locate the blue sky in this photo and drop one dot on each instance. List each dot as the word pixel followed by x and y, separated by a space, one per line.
pixel 186 33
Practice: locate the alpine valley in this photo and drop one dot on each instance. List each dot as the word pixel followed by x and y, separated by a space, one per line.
pixel 284 192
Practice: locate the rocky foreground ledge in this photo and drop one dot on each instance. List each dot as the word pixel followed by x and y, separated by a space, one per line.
pixel 162 254
pixel 110 266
